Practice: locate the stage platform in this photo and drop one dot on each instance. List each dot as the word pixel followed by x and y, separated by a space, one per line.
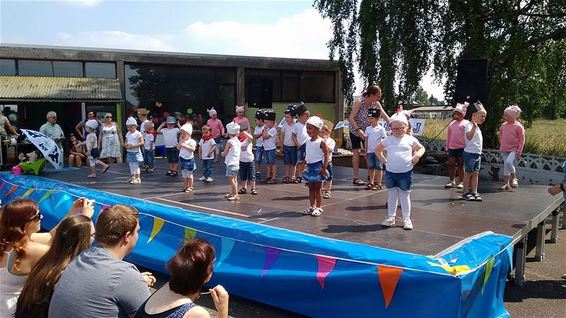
pixel 454 263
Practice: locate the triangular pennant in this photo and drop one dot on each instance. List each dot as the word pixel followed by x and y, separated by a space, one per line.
pixel 2 184
pixel 227 245
pixel 388 278
pixel 27 193
pixel 190 234
pixel 271 255
pixel 488 268
pixel 12 189
pixel 45 196
pixel 157 225
pixel 325 266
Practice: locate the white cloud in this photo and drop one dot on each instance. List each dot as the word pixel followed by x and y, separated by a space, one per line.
pixel 300 36
pixel 116 40
pixel 86 3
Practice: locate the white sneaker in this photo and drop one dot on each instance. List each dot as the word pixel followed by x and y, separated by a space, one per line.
pixel 389 221
pixel 407 224
pixel 515 183
pixel 135 181
pixel 209 179
pixel 460 185
pixel 450 184
pixel 326 195
pixel 202 178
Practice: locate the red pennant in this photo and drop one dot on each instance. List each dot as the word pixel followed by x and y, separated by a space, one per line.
pixel 12 189
pixel 388 278
pixel 2 185
pixel 325 266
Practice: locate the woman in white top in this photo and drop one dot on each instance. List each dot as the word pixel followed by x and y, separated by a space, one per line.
pixel 110 141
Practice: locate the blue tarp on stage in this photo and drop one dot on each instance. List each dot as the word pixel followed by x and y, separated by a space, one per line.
pixel 311 275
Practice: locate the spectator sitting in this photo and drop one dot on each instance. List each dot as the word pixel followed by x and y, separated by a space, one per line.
pixel 109 286
pixel 190 269
pixel 76 152
pixel 21 247
pixel 73 236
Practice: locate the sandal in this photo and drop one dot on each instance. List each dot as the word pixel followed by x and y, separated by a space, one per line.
pixel 292 180
pixel 286 179
pixel 317 212
pixel 243 191
pixel 298 180
pixel 505 187
pixel 377 187
pixel 271 181
pixel 369 186
pixel 358 182
pixel 174 173
pixel 307 211
pixel 254 192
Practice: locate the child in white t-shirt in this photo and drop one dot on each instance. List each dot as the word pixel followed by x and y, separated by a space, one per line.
pixel 170 139
pixel 300 137
pixel 374 134
pixel 186 148
pixel 231 155
pixel 149 147
pixel 403 151
pixel 259 121
pixel 472 153
pixel 247 164
pixel 207 146
pixel 316 157
pixel 289 147
pixel 269 136
pixel 92 150
pixel 133 144
pixel 331 144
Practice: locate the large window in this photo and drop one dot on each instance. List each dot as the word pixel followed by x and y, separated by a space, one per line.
pixel 35 68
pixel 184 89
pixel 96 69
pixel 7 67
pixel 263 87
pixel 71 69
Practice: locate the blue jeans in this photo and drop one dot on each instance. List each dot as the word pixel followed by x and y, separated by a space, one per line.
pixel 208 172
pixel 289 155
pixel 472 162
pixel 403 180
pixel 247 171
pixel 301 152
pixel 172 155
pixel 458 153
pixel 270 156
pixel 148 157
pixel 374 162
pixel 188 164
pixel 259 154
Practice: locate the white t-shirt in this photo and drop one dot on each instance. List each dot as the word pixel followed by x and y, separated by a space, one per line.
pixel 374 136
pixel 246 154
pixel 331 145
pixel 132 139
pixel 257 132
pixel 205 146
pixel 186 153
pixel 288 134
pixel 399 152
pixel 301 132
pixel 474 145
pixel 91 142
pixel 142 125
pixel 313 151
pixel 271 142
pixel 170 137
pixel 233 156
pixel 148 141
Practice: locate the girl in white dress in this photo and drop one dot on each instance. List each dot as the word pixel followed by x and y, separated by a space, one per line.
pixel 111 141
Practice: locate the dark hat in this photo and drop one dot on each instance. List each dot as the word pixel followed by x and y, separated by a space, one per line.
pixel 301 109
pixel 374 112
pixel 260 114
pixel 291 109
pixel 270 114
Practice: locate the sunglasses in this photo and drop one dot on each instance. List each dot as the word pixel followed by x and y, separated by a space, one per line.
pixel 107 116
pixel 38 216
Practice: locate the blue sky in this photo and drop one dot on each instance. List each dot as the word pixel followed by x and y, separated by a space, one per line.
pixel 258 28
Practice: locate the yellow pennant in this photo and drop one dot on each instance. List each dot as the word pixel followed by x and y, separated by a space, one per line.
pixel 157 225
pixel 190 234
pixel 27 193
pixel 488 268
pixel 45 196
pixel 454 270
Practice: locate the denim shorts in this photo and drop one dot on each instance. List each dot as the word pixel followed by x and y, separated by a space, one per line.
pixel 270 156
pixel 330 172
pixel 247 171
pixel 302 152
pixel 132 157
pixel 188 164
pixel 472 162
pixel 172 155
pixel 289 155
pixel 374 162
pixel 458 153
pixel 403 180
pixel 232 170
pixel 312 174
pixel 259 154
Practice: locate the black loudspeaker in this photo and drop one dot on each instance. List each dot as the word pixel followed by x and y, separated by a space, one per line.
pixel 473 81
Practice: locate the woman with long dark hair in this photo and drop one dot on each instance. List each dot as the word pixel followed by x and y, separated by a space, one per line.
pixel 73 236
pixel 22 246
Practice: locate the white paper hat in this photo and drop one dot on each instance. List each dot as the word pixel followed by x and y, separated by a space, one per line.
pixel 233 128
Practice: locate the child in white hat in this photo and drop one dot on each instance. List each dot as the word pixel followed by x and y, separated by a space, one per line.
pixel 216 129
pixel 133 144
pixel 92 150
pixel 454 146
pixel 187 147
pixel 403 151
pixel 317 157
pixel 231 155
pixel 170 130
pixel 512 142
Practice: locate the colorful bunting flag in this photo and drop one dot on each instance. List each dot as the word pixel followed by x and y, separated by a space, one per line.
pixel 388 278
pixel 190 234
pixel 27 193
pixel 271 255
pixel 45 196
pixel 227 245
pixel 2 184
pixel 157 225
pixel 12 189
pixel 488 268
pixel 454 270
pixel 325 265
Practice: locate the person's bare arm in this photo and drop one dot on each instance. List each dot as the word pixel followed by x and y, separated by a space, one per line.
pixel 78 129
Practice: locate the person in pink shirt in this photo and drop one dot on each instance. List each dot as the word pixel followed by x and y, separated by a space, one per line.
pixel 512 142
pixel 241 120
pixel 455 145
pixel 216 130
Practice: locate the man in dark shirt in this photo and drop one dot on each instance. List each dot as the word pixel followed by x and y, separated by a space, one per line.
pixel 158 113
